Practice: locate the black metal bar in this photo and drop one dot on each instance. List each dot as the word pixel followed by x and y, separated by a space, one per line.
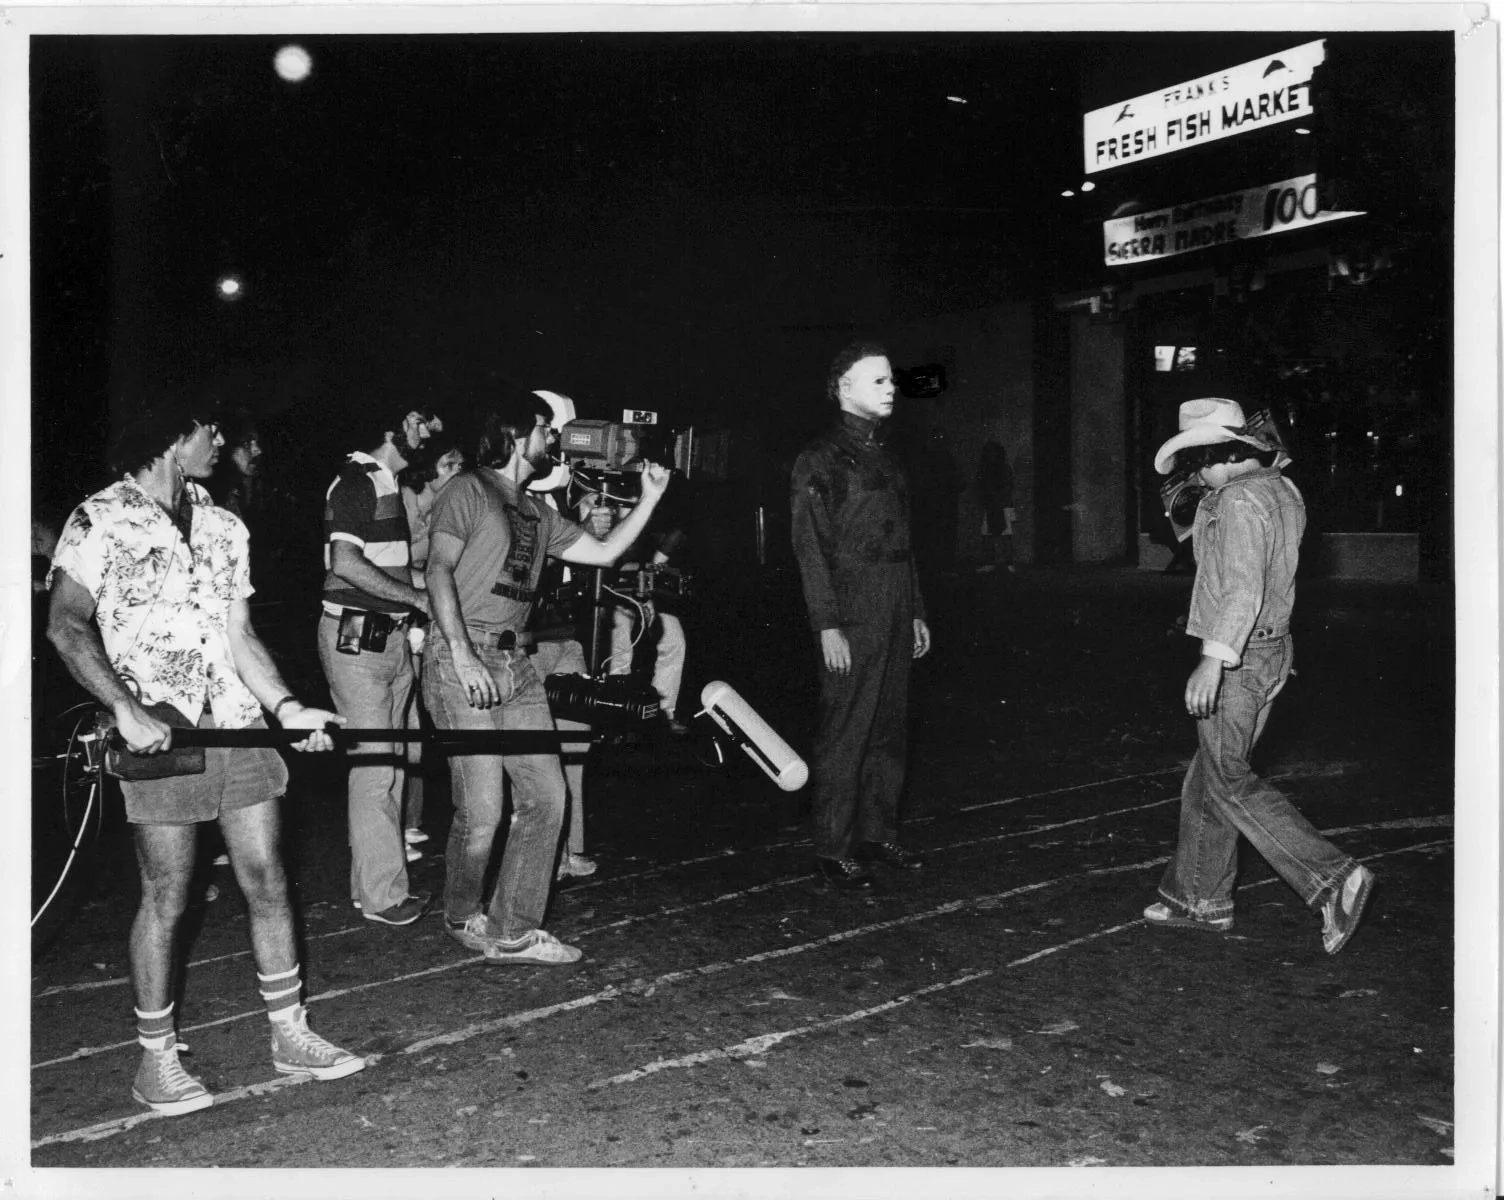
pixel 514 741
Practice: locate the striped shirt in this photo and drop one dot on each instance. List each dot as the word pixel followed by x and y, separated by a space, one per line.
pixel 364 507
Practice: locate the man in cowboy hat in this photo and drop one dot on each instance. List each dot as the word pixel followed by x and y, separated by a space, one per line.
pixel 1247 536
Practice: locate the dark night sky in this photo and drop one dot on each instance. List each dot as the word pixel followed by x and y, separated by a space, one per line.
pixel 635 220
pixel 687 222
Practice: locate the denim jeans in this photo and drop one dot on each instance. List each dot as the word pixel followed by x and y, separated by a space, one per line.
pixel 1222 798
pixel 532 839
pixel 668 658
pixel 371 691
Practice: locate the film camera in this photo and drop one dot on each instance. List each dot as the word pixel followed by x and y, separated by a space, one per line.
pixel 622 447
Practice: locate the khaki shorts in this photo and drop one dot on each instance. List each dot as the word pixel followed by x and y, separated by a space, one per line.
pixel 234 777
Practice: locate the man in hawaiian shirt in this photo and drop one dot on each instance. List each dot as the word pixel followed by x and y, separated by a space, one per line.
pixel 149 586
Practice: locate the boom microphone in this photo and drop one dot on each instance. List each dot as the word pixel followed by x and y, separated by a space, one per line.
pixel 724 705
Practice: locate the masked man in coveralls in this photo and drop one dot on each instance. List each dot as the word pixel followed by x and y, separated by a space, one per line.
pixel 851 539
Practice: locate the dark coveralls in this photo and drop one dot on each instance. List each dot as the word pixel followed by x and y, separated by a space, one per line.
pixel 851 539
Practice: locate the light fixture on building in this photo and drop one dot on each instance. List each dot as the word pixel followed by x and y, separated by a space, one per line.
pixel 1303 131
pixel 1357 264
pixel 1068 192
pixel 1088 186
pixel 957 99
pixel 229 287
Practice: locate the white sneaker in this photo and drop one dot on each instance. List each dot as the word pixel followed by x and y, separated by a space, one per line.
pixel 165 1087
pixel 297 1050
pixel 1343 909
pixel 413 836
pixel 222 860
pixel 537 947
pixel 474 933
pixel 413 853
pixel 575 865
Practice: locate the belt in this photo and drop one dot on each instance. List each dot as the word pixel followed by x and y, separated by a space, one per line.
pixel 505 639
pixel 396 620
pixel 886 556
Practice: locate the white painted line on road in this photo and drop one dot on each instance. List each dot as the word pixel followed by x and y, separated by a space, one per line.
pixel 121 981
pixel 93 1133
pixel 1442 821
pixel 89 1051
pixel 1075 787
pixel 763 1042
pixel 684 862
pixel 611 992
pixel 1036 830
pixel 623 922
pixel 510 1022
pixel 120 1124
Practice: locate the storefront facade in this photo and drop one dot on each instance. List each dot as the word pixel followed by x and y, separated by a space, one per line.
pixel 1269 223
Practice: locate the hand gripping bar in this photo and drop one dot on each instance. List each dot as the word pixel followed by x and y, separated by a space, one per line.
pixel 513 741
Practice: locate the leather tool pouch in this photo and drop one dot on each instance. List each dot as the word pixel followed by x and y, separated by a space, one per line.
pixel 363 631
pixel 180 760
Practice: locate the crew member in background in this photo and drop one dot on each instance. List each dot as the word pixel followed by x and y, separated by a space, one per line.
pixel 421 482
pixel 558 652
pixel 488 540
pixel 995 490
pixel 149 588
pixel 369 605
pixel 657 547
pixel 662 545
pixel 851 539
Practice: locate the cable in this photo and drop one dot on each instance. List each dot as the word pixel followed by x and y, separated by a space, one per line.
pixel 642 617
pixel 83 825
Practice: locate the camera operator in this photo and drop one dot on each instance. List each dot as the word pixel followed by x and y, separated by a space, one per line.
pixel 488 540
pixel 369 605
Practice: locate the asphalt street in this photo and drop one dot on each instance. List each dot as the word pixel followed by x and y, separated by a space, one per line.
pixel 1004 1007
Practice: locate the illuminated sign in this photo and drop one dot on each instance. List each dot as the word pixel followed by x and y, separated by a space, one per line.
pixel 1252 95
pixel 1232 217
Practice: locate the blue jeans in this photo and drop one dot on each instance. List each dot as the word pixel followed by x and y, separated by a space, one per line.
pixel 1222 798
pixel 371 690
pixel 538 795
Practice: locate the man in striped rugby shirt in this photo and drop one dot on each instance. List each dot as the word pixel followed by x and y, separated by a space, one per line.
pixel 369 602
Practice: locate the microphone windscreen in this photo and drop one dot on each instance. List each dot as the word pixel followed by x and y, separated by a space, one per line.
pixel 725 706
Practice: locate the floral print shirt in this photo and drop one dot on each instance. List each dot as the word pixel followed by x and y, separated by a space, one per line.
pixel 163 604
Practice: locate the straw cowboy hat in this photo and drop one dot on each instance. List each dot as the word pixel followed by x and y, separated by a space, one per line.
pixel 1203 423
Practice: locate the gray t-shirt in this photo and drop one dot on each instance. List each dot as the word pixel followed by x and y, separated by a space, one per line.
pixel 507 535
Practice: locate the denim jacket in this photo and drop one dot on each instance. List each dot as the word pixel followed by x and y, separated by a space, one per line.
pixel 1247 539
